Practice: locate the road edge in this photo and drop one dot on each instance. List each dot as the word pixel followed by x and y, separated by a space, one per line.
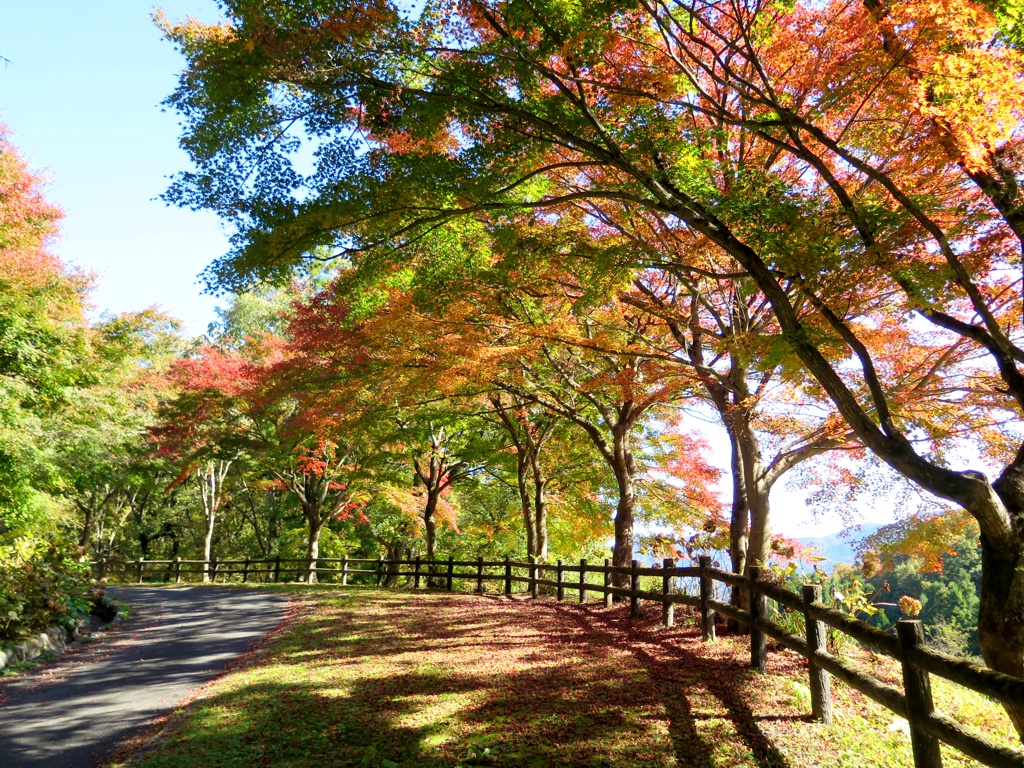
pixel 135 749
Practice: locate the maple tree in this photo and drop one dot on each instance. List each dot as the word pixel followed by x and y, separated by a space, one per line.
pixel 234 407
pixel 719 326
pixel 529 430
pixel 521 350
pixel 440 451
pixel 892 165
pixel 611 398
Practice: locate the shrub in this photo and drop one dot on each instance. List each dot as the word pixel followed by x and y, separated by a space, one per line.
pixel 42 583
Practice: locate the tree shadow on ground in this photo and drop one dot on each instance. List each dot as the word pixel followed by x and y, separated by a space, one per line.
pixel 443 680
pixel 674 668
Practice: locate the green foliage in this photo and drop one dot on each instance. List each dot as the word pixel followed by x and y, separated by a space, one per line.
pixel 949 596
pixel 42 583
pixel 1010 14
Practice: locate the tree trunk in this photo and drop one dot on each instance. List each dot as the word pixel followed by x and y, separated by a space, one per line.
pixel 730 402
pixel 540 501
pixel 211 488
pixel 394 552
pixel 739 527
pixel 1001 619
pixel 625 477
pixel 756 490
pixel 534 445
pixel 313 546
pixel 211 517
pixel 739 521
pixel 430 522
pixel 541 514
pixel 93 512
pixel 759 548
pixel 85 538
pixel 526 503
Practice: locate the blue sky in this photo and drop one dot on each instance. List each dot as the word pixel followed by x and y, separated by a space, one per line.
pixel 81 96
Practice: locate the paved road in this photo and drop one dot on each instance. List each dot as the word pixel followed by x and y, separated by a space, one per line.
pixel 82 707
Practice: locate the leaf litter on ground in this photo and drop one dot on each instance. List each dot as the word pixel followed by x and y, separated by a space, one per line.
pixel 399 679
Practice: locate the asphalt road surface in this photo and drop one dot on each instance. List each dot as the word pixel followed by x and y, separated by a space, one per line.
pixel 82 707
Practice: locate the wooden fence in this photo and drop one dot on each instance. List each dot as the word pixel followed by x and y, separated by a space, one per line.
pixel 914 703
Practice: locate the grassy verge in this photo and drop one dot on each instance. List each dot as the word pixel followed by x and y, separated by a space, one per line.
pixel 388 679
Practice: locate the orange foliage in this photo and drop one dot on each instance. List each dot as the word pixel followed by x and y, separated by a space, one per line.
pixel 929 537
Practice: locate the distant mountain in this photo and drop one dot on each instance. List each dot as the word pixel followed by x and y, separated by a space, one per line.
pixel 838 547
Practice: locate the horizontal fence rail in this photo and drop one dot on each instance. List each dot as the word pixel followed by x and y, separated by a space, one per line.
pixel 914 703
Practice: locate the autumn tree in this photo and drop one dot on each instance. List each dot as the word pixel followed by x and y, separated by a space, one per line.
pixel 529 428
pixel 43 340
pixel 610 397
pixel 897 167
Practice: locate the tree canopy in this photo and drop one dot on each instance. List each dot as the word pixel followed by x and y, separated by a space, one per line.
pixel 853 165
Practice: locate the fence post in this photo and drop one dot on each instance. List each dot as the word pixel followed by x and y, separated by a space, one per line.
pixel 668 610
pixel 277 569
pixel 141 561
pixel 479 575
pixel 558 578
pixel 344 571
pixel 918 688
pixel 380 571
pixel 508 576
pixel 821 685
pixel 758 609
pixel 607 583
pixel 177 570
pixel 634 587
pixel 534 587
pixel 707 615
pixel 451 568
pixel 583 581
pixel 245 571
pixel 416 572
pixel 214 565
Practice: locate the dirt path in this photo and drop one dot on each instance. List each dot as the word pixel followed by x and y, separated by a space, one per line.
pixel 82 707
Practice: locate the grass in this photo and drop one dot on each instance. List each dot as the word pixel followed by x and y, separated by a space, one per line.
pixel 395 679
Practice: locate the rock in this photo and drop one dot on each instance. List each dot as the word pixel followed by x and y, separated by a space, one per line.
pixel 33 648
pixel 105 608
pixel 55 639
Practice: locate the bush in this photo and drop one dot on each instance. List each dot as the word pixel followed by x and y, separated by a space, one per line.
pixel 42 583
